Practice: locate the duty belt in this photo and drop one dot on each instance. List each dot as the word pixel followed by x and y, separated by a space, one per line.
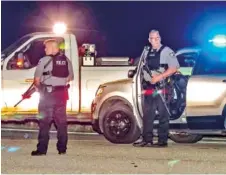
pixel 165 66
pixel 59 87
pixel 47 73
pixel 50 88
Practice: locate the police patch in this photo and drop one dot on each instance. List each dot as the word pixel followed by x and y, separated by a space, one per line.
pixel 172 54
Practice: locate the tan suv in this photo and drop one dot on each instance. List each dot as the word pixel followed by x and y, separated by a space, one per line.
pixel 198 105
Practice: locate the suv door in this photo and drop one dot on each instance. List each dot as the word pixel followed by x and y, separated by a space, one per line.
pixel 206 91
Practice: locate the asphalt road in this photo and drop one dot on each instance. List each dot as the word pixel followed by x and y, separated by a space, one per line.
pixel 93 154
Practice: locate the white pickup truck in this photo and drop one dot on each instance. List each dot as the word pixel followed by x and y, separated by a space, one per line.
pixel 19 61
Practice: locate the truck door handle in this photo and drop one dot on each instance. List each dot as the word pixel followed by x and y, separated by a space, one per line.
pixel 224 81
pixel 29 80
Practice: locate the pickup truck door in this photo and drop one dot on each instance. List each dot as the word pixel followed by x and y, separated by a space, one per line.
pixel 17 79
pixel 206 92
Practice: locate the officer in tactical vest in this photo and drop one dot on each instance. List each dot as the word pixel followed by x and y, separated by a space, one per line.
pixel 51 77
pixel 162 63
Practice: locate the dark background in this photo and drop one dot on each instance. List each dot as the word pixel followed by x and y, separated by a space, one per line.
pixel 118 28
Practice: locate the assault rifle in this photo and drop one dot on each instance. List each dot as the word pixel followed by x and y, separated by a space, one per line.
pixel 27 94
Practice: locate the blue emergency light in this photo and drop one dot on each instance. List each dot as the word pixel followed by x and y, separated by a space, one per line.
pixel 219 41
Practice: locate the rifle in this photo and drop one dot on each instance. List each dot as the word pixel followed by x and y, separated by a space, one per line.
pixel 27 94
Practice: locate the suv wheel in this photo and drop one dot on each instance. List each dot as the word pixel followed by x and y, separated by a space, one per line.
pixel 119 124
pixel 188 138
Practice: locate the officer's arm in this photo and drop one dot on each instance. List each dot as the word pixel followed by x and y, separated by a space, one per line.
pixel 171 60
pixel 38 72
pixel 71 72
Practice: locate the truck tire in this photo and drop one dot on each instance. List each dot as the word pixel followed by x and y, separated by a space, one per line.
pixel 190 138
pixel 119 124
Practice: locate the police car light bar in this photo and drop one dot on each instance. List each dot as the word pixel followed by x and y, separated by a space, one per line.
pixel 219 40
pixel 59 28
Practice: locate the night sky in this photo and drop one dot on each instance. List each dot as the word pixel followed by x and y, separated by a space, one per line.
pixel 118 28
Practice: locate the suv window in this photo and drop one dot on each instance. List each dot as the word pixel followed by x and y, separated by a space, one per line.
pixel 211 63
pixel 187 59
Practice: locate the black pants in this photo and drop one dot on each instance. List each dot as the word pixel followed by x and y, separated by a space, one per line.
pixel 52 108
pixel 151 104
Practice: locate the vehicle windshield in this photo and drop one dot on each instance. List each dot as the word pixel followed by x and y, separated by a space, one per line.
pixel 14 46
pixel 211 62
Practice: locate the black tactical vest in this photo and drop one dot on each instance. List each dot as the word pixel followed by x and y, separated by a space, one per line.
pixel 153 59
pixel 60 66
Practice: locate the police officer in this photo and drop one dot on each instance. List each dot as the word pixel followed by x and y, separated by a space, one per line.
pixel 162 62
pixel 52 74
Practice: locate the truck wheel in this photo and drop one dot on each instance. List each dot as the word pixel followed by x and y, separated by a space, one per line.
pixel 190 138
pixel 119 124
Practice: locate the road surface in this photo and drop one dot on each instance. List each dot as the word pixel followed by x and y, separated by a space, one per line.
pixel 93 154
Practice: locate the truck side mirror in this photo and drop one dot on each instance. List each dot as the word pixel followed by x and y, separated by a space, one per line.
pixel 20 60
pixel 17 62
pixel 131 73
